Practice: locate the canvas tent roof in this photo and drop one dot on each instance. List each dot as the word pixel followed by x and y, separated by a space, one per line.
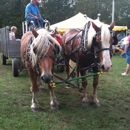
pixel 120 28
pixel 78 21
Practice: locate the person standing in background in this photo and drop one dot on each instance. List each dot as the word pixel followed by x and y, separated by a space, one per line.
pixel 115 42
pixel 127 52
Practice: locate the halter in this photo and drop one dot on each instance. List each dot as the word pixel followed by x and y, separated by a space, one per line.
pixel 48 56
pixel 87 53
pixel 37 66
pixel 84 42
pixel 28 57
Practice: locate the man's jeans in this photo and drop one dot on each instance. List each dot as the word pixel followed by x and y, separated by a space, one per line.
pixel 29 18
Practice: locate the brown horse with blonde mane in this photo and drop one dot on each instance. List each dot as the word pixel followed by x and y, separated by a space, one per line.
pixel 89 48
pixel 38 52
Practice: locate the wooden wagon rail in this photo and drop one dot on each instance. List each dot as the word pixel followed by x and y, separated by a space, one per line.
pixel 9 49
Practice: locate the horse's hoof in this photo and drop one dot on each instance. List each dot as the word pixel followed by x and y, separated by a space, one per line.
pixel 36 109
pixel 85 103
pixel 81 90
pixel 96 104
pixel 53 107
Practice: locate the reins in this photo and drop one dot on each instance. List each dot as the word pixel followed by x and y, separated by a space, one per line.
pixel 86 53
pixel 68 81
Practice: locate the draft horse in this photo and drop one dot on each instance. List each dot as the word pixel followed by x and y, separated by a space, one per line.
pixel 38 52
pixel 88 48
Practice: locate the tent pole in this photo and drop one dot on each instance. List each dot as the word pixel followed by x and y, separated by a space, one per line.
pixel 113 9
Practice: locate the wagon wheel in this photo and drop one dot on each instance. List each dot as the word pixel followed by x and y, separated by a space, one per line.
pixel 3 59
pixel 15 67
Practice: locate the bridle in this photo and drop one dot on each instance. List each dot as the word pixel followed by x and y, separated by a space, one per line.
pixel 94 52
pixel 28 58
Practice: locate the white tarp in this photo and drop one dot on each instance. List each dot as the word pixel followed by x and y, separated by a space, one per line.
pixel 78 21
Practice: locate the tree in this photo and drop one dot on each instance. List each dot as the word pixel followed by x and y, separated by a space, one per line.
pixel 12 11
pixel 104 7
pixel 12 14
pixel 56 10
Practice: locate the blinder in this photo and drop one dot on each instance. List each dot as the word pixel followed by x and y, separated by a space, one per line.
pixel 96 51
pixel 99 32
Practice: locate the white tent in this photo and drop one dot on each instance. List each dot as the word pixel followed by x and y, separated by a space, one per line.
pixel 78 21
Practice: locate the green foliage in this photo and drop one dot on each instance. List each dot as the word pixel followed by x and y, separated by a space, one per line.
pixel 12 11
pixel 56 10
pixel 104 7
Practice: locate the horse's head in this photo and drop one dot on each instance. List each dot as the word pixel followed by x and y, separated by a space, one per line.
pixel 43 52
pixel 99 41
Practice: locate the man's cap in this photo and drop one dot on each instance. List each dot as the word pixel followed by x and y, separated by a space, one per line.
pixel 36 1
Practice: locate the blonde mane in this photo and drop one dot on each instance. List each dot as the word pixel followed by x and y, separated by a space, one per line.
pixel 41 44
pixel 105 35
pixel 91 34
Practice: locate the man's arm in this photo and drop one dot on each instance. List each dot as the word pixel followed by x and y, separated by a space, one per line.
pixel 39 15
pixel 32 15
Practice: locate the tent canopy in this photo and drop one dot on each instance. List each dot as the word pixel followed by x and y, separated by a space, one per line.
pixel 120 28
pixel 78 21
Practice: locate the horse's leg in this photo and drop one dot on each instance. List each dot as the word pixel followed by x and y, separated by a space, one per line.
pixel 67 67
pixel 94 96
pixel 53 103
pixel 84 85
pixel 67 70
pixel 39 83
pixel 34 89
pixel 78 84
pixel 77 79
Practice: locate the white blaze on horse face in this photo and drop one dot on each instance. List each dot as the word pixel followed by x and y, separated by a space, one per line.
pixel 45 68
pixel 106 60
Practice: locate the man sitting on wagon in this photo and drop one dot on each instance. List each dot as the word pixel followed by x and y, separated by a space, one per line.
pixel 32 13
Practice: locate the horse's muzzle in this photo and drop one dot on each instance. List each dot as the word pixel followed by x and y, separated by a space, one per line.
pixel 47 78
pixel 105 69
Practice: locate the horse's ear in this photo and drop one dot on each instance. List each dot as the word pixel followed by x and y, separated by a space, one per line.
pixel 97 29
pixel 34 32
pixel 112 25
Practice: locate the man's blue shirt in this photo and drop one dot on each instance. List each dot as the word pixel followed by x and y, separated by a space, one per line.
pixel 30 8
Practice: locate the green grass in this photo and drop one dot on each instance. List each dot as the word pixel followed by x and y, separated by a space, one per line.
pixel 113 93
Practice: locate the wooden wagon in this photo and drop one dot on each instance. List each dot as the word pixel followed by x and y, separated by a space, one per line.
pixel 9 49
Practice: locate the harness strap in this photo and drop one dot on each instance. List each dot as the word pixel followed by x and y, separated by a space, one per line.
pixel 49 57
pixel 84 36
pixel 27 54
pixel 74 36
pixel 103 49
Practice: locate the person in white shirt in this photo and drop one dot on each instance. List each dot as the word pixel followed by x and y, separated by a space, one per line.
pixel 12 33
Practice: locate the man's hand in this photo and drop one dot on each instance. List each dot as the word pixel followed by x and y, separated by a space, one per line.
pixel 35 17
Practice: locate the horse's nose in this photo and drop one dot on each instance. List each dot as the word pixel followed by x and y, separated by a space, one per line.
pixel 105 68
pixel 47 78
